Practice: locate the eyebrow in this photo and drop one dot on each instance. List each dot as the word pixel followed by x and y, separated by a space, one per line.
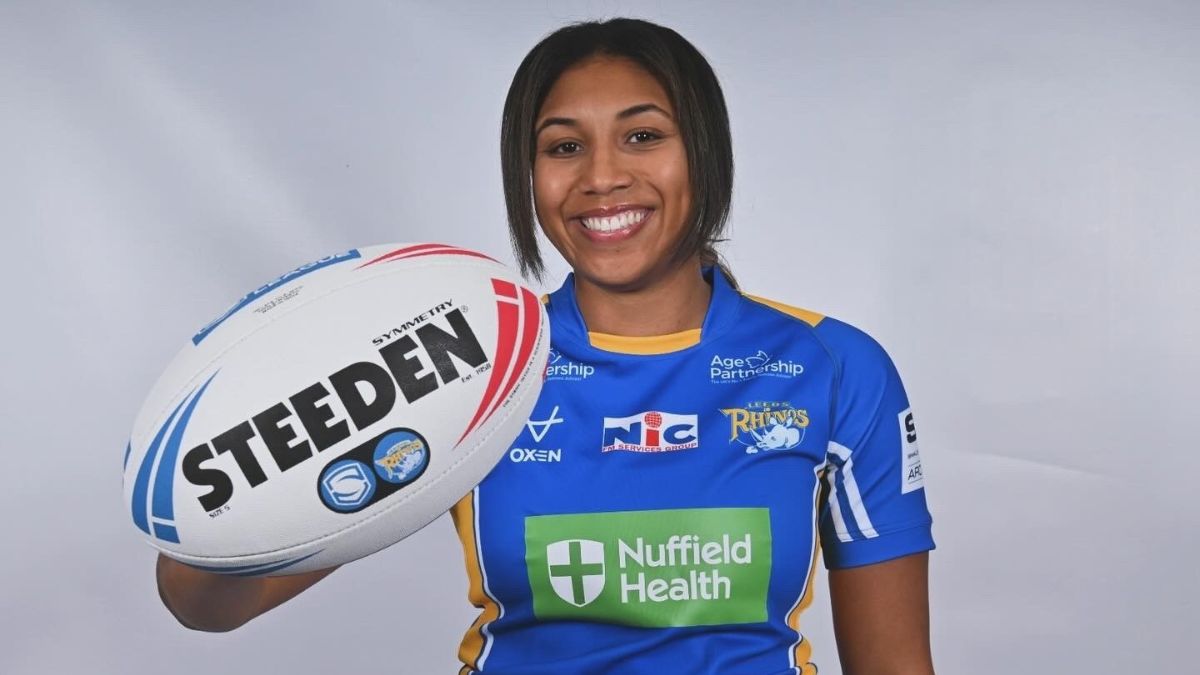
pixel 624 114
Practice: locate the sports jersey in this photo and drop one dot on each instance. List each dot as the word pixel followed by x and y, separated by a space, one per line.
pixel 663 509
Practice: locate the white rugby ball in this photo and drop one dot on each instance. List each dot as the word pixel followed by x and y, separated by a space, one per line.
pixel 335 410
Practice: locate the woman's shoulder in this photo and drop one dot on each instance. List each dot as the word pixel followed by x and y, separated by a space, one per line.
pixel 800 314
pixel 844 341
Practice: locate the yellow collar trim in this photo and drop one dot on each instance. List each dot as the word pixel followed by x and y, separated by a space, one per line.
pixel 648 344
pixel 807 316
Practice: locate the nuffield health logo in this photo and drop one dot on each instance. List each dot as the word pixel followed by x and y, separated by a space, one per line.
pixel 576 570
pixel 676 567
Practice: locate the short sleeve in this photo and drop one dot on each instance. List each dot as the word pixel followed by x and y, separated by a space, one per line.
pixel 873 496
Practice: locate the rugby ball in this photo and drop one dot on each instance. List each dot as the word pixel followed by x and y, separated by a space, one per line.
pixel 335 410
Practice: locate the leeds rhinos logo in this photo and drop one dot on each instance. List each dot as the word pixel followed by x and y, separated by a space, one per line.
pixel 739 369
pixel 766 425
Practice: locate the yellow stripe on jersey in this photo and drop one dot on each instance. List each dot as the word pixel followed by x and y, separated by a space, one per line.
pixel 649 344
pixel 803 649
pixel 807 316
pixel 463 514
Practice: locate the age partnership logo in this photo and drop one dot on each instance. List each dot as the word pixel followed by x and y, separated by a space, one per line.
pixel 723 369
pixel 559 367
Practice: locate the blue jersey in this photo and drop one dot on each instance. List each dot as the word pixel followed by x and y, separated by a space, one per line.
pixel 663 509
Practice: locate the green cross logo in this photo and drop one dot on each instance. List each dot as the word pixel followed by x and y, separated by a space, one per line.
pixel 576 569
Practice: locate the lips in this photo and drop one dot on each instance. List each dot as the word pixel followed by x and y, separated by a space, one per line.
pixel 612 224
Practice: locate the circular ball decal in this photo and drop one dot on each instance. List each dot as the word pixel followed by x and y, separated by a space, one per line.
pixel 401 457
pixel 347 485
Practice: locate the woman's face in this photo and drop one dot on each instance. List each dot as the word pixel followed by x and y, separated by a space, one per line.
pixel 610 177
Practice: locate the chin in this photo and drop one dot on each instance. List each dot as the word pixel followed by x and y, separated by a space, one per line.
pixel 621 275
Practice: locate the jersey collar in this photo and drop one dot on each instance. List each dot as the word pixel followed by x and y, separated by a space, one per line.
pixel 567 324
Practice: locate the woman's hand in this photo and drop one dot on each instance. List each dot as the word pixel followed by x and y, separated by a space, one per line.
pixel 216 602
pixel 881 617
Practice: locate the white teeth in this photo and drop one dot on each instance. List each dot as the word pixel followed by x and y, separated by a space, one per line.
pixel 620 221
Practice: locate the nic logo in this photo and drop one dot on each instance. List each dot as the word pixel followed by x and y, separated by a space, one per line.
pixel 576 570
pixel 651 431
pixel 559 367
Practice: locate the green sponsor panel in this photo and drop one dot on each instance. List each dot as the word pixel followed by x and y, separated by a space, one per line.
pixel 679 567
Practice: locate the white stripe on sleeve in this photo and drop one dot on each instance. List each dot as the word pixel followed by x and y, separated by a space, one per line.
pixel 861 519
pixel 835 507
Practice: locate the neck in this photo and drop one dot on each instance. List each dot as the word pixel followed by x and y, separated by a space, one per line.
pixel 676 302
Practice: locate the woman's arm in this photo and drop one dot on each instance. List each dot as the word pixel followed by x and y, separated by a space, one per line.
pixel 216 602
pixel 881 617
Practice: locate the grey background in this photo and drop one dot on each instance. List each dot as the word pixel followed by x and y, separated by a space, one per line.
pixel 1004 194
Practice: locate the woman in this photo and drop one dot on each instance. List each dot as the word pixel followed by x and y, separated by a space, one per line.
pixel 691 445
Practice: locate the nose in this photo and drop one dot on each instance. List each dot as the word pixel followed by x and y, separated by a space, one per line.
pixel 604 172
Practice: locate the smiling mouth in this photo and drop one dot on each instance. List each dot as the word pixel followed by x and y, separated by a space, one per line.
pixel 615 223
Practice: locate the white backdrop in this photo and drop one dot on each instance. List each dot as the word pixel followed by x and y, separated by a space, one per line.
pixel 1004 194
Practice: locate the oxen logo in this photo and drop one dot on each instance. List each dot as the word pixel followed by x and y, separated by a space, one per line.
pixel 765 425
pixel 539 428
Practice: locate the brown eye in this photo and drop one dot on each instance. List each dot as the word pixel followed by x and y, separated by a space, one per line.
pixel 644 136
pixel 566 148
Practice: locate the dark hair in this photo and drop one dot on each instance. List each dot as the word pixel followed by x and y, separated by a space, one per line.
pixel 693 90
